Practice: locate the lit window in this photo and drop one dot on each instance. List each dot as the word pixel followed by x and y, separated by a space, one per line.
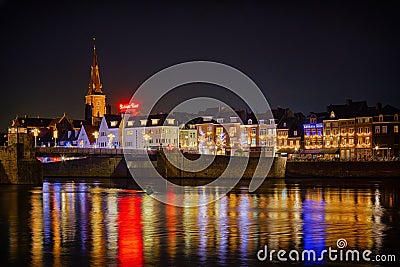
pixel 253 130
pixel 220 120
pixel 367 130
pixel 154 121
pixel 396 117
pixel 113 123
pixel 250 121
pixel 384 129
pixel 380 118
pixel 170 121
pixel 396 129
pixel 129 132
pixel 295 133
pixel 359 130
pixel 143 122
pixel 129 123
pixel 377 129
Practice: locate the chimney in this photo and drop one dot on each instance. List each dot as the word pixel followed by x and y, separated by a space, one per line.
pixel 349 102
pixel 378 106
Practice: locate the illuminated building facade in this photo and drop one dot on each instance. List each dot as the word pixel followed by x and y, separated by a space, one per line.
pixel 363 137
pixel 313 132
pixel 385 133
pixel 349 128
pixel 188 138
pixel 289 132
pixel 108 135
pixel 267 135
pixel 150 132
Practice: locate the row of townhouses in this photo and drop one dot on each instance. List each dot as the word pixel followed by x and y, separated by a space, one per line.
pixel 352 131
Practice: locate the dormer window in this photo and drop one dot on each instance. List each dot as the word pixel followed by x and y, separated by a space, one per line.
pixel 262 122
pixel 250 121
pixel 284 124
pixel 381 118
pixel 332 114
pixel 154 121
pixel 233 119
pixel 220 120
pixel 129 123
pixel 113 123
pixel 143 122
pixel 170 121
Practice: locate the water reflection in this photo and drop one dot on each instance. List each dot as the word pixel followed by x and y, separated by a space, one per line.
pixel 86 223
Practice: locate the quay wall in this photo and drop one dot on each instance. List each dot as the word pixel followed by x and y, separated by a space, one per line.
pixel 19 166
pixel 87 167
pixel 369 169
pixel 117 167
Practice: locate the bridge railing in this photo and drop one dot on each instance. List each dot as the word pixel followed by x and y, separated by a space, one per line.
pixel 86 151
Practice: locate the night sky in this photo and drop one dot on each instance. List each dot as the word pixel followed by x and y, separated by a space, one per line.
pixel 303 55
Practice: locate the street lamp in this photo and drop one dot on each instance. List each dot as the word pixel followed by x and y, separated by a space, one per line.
pixel 110 139
pixel 55 136
pixel 146 139
pixel 96 136
pixel 35 134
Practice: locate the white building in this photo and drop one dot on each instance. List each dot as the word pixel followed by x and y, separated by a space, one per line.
pixel 108 135
pixel 152 132
pixel 86 137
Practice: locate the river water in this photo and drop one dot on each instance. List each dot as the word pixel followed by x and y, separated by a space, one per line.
pixel 108 223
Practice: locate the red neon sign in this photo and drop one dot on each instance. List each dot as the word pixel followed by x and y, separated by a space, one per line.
pixel 128 106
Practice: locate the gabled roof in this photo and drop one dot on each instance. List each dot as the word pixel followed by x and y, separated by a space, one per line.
pixel 31 122
pixel 390 110
pixel 89 130
pixel 111 117
pixel 69 136
pixel 351 109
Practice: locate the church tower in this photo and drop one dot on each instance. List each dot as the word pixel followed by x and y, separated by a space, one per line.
pixel 95 99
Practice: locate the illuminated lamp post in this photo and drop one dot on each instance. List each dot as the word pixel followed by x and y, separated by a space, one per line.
pixel 35 134
pixel 146 139
pixel 110 139
pixel 96 136
pixel 55 136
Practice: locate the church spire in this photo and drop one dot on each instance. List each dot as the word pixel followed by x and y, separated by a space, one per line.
pixel 95 84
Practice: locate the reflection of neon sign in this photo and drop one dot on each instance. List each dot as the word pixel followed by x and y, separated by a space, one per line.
pixel 128 106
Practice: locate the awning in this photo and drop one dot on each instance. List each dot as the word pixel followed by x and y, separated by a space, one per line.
pixel 311 151
pixel 286 150
pixel 321 151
